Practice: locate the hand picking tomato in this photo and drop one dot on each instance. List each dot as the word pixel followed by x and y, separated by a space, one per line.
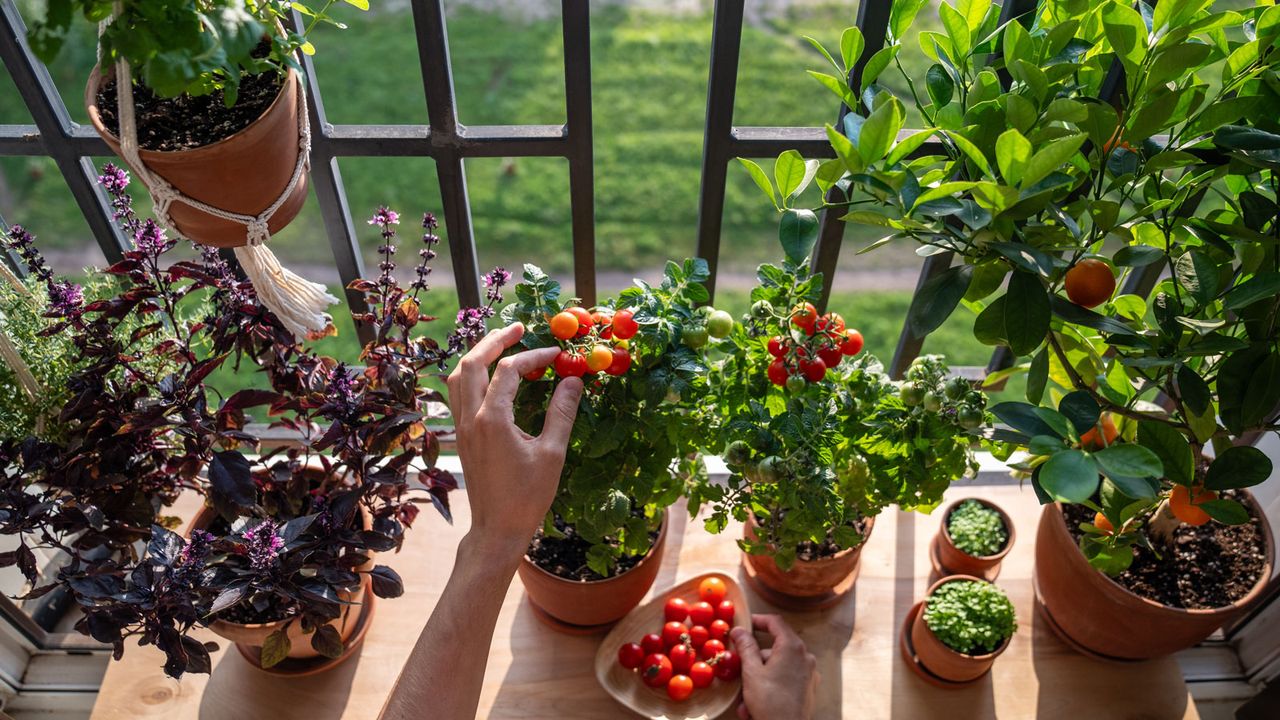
pixel 679 688
pixel 712 590
pixel 702 674
pixel 652 643
pixel 564 325
pixel 624 325
pixel 569 364
pixel 682 657
pixel 720 629
pixel 728 666
pixel 630 655
pixel 778 372
pixel 804 316
pixel 621 362
pixel 701 613
pixel 673 633
pixel 676 610
pixel 656 670
pixel 584 319
pixel 698 636
pixel 725 611
pixel 600 358
pixel 711 649
pixel 852 344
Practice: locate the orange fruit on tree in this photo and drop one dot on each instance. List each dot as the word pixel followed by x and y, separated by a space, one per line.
pixel 1101 522
pixel 1093 440
pixel 1089 283
pixel 1184 503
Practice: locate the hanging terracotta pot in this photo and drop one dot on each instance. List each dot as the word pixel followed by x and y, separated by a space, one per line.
pixel 581 607
pixel 244 173
pixel 947 559
pixel 1098 616
pixel 936 657
pixel 808 584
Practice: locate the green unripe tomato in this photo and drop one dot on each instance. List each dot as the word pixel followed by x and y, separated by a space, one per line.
pixel 957 388
pixel 762 309
pixel 737 453
pixel 796 384
pixel 911 394
pixel 694 336
pixel 751 473
pixel 768 469
pixel 932 402
pixel 719 324
pixel 970 418
pixel 857 471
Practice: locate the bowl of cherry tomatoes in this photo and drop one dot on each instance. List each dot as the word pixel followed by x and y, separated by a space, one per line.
pixel 672 657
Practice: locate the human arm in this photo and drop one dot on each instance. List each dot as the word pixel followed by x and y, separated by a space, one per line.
pixel 778 683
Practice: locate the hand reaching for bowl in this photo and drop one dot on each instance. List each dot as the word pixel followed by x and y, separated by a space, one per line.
pixel 778 683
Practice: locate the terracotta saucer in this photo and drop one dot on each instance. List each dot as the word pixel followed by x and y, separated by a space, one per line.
pixel 298 667
pixel 1062 635
pixel 801 604
pixel 561 626
pixel 909 654
pixel 935 559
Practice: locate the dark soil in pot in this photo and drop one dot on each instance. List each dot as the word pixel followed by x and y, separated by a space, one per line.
pixel 566 557
pixel 187 121
pixel 1212 565
pixel 810 551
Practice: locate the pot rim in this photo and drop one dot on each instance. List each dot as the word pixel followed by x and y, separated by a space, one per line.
pixel 843 553
pixel 648 556
pixel 925 605
pixel 97 77
pixel 945 530
pixel 1264 578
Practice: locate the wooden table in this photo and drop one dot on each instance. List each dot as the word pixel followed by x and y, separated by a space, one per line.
pixel 535 672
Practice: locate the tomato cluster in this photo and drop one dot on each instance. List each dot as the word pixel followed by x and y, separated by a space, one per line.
pixel 817 344
pixel 591 341
pixel 692 648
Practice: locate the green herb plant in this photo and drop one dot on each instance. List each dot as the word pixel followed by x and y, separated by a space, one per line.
pixel 970 617
pixel 977 529
pixel 1046 192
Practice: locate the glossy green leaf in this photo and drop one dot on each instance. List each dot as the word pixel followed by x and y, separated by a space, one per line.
pixel 937 299
pixel 1051 157
pixel 939 84
pixel 881 130
pixel 1128 460
pixel 1227 512
pixel 1069 476
pixel 789 172
pixel 1026 328
pixel 762 181
pixel 878 63
pixel 1171 447
pixel 851 46
pixel 1081 409
pixel 798 231
pixel 1013 151
pixel 1038 376
pixel 1126 32
pixel 1239 466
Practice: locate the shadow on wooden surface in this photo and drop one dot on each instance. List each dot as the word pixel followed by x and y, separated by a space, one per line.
pixel 322 696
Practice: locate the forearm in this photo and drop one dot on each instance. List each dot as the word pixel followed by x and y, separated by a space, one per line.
pixel 446 669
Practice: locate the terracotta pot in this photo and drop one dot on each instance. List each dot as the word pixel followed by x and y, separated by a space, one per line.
pixel 940 659
pixel 1097 615
pixel 244 173
pixel 591 605
pixel 807 579
pixel 951 560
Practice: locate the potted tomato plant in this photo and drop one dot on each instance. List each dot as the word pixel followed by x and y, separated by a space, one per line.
pixel 955 635
pixel 1120 242
pixel 974 537
pixel 641 356
pixel 819 441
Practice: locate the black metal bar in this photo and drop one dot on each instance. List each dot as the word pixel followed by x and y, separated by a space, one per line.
pixel 442 111
pixel 41 97
pixel 577 94
pixel 722 87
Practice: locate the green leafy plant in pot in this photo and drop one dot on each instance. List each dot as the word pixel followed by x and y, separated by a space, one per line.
pixel 1051 191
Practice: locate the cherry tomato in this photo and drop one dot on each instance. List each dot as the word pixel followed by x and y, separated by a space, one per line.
pixel 720 628
pixel 719 324
pixel 682 657
pixel 830 324
pixel 676 610
pixel 679 688
pixel 776 348
pixel 701 674
pixel 621 362
pixel 698 636
pixel 624 325
pixel 804 316
pixel 602 318
pixel 796 384
pixel 673 633
pixel 852 344
pixel 712 590
pixel 695 336
pixel 778 372
pixel 564 325
pixel 656 670
pixel 813 370
pixel 584 319
pixel 569 364
pixel 701 613
pixel 600 358
pixel 711 649
pixel 728 666
pixel 652 643
pixel 830 356
pixel 533 375
pixel 725 611
pixel 630 656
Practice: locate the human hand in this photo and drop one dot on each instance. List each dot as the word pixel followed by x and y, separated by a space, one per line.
pixel 778 683
pixel 511 477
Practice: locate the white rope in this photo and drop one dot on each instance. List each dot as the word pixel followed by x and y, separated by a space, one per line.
pixel 9 354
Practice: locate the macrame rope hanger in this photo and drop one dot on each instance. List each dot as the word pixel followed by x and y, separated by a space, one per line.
pixel 298 303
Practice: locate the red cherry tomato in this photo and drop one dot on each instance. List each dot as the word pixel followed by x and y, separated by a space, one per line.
pixel 711 649
pixel 621 362
pixel 569 364
pixel 804 316
pixel 725 610
pixel 720 628
pixel 852 344
pixel 830 355
pixel 534 375
pixel 702 674
pixel 776 348
pixel 656 670
pixel 602 317
pixel 813 370
pixel 679 688
pixel 673 633
pixel 564 325
pixel 676 610
pixel 701 613
pixel 698 636
pixel 624 325
pixel 831 325
pixel 682 658
pixel 712 590
pixel 652 643
pixel 630 656
pixel 778 373
pixel 728 666
pixel 584 319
